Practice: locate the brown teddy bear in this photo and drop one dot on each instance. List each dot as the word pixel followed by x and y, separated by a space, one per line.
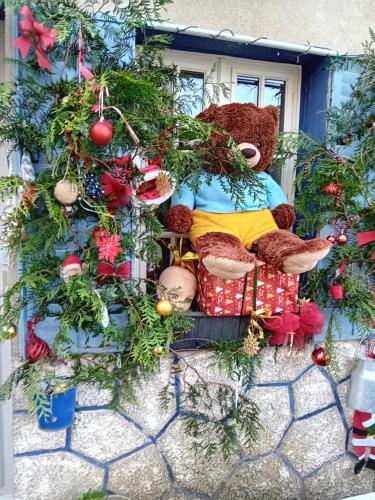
pixel 223 233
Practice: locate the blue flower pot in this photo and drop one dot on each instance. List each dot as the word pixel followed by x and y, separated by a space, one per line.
pixel 62 416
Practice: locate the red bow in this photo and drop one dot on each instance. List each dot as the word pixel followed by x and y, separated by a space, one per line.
pixel 34 32
pixel 118 190
pixel 294 327
pixel 365 238
pixel 106 270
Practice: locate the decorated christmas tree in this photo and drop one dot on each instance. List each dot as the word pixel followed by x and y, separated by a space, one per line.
pixel 335 195
pixel 97 140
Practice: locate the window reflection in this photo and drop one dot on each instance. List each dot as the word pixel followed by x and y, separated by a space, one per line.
pixel 247 89
pixel 274 93
pixel 191 91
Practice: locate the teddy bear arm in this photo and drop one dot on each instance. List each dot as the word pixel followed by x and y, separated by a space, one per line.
pixel 179 219
pixel 284 215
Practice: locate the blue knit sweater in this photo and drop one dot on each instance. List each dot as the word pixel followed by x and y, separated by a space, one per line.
pixel 211 197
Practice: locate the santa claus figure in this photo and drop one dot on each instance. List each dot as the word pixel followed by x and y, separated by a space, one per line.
pixel 71 267
pixel 363 437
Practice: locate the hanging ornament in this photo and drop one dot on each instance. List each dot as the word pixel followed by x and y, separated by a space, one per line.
pixel 66 192
pixel 336 291
pixel 71 267
pixel 331 238
pixel 36 348
pixel 8 332
pixel 370 122
pixel 342 238
pixel 101 132
pixel 164 307
pixel 109 247
pixel 320 357
pixel 331 189
pixel 159 350
pixel 93 186
pixel 250 344
pixel 157 185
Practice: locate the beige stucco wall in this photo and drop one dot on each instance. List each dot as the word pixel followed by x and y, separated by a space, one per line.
pixel 337 24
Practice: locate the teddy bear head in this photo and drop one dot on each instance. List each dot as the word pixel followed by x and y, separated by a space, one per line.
pixel 253 129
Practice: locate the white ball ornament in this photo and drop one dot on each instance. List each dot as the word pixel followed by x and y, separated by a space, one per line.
pixel 66 192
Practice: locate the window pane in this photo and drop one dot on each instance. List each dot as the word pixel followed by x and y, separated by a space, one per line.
pixel 247 89
pixel 274 93
pixel 192 91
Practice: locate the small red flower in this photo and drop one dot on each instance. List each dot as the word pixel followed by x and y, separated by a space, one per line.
pixel 109 247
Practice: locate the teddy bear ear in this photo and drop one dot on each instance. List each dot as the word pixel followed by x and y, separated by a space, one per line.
pixel 274 112
pixel 208 114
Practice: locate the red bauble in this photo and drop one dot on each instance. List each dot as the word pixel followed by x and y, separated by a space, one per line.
pixel 101 133
pixel 331 238
pixel 342 238
pixel 320 357
pixel 331 189
pixel 37 348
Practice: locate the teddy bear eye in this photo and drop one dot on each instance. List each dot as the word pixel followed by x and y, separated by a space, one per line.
pixel 257 144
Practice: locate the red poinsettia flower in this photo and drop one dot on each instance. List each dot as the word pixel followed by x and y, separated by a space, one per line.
pixel 118 190
pixel 109 247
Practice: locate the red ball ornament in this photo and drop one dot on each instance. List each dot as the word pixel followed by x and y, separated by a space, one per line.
pixel 342 238
pixel 36 347
pixel 331 238
pixel 331 189
pixel 320 357
pixel 101 132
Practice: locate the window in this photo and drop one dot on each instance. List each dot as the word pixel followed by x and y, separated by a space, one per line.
pixel 259 82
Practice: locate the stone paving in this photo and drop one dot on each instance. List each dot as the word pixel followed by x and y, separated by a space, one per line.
pixel 143 453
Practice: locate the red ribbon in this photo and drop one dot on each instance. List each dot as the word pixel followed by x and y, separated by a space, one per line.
pixel 83 70
pixel 294 327
pixel 366 237
pixel 33 32
pixel 118 190
pixel 106 270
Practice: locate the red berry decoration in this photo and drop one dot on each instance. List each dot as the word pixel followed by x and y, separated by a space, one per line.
pixel 101 132
pixel 320 357
pixel 342 238
pixel 331 189
pixel 331 238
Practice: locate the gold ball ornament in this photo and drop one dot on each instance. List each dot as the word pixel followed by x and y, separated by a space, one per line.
pixel 159 350
pixel 8 332
pixel 60 388
pixel 164 307
pixel 66 192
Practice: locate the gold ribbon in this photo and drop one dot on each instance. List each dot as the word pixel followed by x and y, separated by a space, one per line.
pixel 183 260
pixel 262 313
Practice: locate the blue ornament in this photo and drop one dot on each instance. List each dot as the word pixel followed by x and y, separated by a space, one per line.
pixel 93 186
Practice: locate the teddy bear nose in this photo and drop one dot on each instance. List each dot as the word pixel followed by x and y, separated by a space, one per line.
pixel 248 152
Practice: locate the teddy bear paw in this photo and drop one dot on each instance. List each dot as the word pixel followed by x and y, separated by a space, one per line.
pixel 227 269
pixel 305 261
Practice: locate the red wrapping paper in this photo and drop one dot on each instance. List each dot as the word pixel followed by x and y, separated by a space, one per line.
pixel 218 297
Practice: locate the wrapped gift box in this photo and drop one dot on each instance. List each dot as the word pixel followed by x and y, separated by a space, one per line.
pixel 218 297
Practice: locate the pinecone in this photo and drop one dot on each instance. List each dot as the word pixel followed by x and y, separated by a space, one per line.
pixel 250 345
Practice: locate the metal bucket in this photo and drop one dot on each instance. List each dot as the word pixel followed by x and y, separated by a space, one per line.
pixel 361 394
